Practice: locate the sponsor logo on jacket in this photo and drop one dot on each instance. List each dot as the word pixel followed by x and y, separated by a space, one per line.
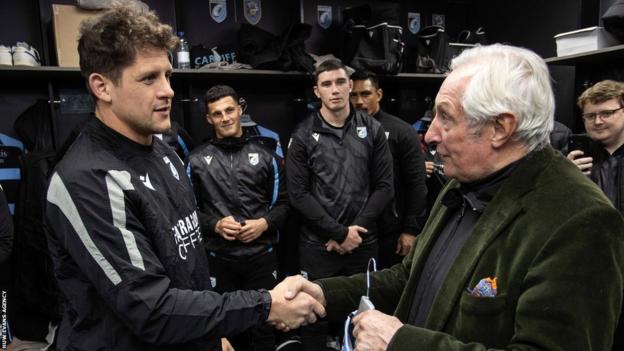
pixel 187 234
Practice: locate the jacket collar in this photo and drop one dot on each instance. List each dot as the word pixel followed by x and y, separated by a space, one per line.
pixel 504 207
pixel 231 143
pixel 318 122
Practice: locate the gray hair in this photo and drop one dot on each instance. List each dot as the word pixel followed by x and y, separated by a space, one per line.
pixel 509 80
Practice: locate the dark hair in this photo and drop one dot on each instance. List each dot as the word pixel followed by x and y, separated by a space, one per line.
pixel 328 65
pixel 218 92
pixel 366 75
pixel 109 42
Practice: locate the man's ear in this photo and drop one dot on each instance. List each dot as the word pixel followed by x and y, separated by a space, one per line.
pixel 505 126
pixel 208 119
pixel 379 94
pixel 316 92
pixel 100 86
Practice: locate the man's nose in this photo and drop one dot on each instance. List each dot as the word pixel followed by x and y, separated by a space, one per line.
pixel 166 91
pixel 357 101
pixel 432 136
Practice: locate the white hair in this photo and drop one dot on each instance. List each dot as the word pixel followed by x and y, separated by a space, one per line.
pixel 509 79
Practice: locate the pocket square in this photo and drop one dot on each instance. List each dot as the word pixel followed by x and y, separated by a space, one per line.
pixel 486 287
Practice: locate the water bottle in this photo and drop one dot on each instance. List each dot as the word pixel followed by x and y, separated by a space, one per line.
pixel 183 55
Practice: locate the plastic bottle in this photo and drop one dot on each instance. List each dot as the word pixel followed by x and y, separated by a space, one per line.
pixel 183 55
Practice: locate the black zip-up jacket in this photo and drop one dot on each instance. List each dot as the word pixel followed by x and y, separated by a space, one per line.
pixel 608 173
pixel 334 181
pixel 239 177
pixel 408 212
pixel 126 245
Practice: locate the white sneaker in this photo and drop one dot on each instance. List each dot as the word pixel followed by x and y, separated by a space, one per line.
pixel 25 55
pixel 6 56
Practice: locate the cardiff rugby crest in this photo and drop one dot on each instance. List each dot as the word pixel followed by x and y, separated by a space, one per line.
pixel 218 10
pixel 413 22
pixel 253 11
pixel 254 158
pixel 362 132
pixel 438 19
pixel 324 16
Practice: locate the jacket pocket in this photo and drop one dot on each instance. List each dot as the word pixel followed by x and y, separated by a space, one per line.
pixel 482 305
pixel 486 320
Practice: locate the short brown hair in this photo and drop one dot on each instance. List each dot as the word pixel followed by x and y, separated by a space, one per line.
pixel 109 42
pixel 602 91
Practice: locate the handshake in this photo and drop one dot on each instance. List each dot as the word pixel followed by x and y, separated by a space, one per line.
pixel 295 302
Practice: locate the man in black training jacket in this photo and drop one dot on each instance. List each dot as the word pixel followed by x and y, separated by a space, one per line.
pixel 404 218
pixel 339 172
pixel 125 238
pixel 238 182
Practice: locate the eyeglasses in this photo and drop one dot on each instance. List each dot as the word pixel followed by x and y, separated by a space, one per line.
pixel 604 114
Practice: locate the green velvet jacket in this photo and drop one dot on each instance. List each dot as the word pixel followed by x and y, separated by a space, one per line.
pixel 555 245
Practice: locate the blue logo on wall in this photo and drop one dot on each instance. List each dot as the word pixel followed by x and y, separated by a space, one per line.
pixel 324 16
pixel 413 20
pixel 218 10
pixel 252 11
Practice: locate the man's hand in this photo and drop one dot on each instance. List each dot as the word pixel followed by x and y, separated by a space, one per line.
pixel 225 345
pixel 228 228
pixel 292 306
pixel 332 245
pixel 373 330
pixel 353 239
pixel 252 229
pixel 429 168
pixel 583 163
pixel 404 244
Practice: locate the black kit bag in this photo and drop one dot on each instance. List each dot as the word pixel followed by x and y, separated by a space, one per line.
pixel 613 19
pixel 264 50
pixel 371 38
pixel 379 48
pixel 432 54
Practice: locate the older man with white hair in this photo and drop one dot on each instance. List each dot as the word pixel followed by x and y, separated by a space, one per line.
pixel 521 251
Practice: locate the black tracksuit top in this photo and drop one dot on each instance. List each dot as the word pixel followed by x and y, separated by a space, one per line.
pixel 336 181
pixel 239 177
pixel 126 245
pixel 408 211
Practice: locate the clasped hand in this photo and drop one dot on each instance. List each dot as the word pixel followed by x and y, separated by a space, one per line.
pixel 231 230
pixel 295 302
pixel 350 243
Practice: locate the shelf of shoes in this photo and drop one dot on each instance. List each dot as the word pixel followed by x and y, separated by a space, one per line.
pixel 595 56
